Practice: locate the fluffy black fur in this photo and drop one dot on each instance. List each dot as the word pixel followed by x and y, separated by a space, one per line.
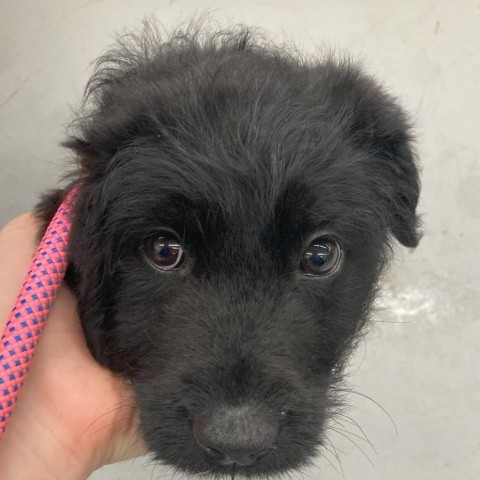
pixel 247 151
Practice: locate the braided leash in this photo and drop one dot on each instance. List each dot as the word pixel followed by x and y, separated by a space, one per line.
pixel 27 319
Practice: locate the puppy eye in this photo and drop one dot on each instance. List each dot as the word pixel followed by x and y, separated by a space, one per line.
pixel 322 257
pixel 164 251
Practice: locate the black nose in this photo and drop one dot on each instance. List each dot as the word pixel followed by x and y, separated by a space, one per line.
pixel 236 435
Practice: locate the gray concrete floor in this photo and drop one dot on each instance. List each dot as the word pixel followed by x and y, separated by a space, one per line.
pixel 421 361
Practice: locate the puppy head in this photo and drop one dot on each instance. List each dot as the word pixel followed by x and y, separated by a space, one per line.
pixel 236 211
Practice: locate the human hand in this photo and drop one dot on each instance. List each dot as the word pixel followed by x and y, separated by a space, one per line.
pixel 73 416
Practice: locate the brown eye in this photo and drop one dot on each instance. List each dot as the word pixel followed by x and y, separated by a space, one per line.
pixel 164 251
pixel 322 257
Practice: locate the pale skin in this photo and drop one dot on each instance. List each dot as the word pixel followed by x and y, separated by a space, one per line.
pixel 73 416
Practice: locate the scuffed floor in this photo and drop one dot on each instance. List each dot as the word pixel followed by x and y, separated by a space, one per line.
pixel 420 362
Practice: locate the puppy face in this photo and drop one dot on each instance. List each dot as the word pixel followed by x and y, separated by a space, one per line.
pixel 234 216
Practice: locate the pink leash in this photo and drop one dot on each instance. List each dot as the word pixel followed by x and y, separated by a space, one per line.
pixel 27 319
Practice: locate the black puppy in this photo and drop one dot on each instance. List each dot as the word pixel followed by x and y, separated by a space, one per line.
pixel 237 203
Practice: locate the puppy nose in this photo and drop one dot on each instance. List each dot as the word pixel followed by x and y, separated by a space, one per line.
pixel 236 435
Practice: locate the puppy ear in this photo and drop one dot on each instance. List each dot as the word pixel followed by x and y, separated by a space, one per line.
pixel 378 126
pixel 403 199
pixel 381 128
pixel 92 257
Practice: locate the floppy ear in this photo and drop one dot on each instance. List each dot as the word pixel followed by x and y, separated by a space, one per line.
pixel 94 256
pixel 377 125
pixel 402 201
pixel 381 128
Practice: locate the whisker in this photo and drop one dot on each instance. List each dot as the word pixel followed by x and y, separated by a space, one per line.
pixel 114 409
pixel 108 425
pixel 356 424
pixel 376 403
pixel 355 435
pixel 336 455
pixel 350 440
pixel 330 462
